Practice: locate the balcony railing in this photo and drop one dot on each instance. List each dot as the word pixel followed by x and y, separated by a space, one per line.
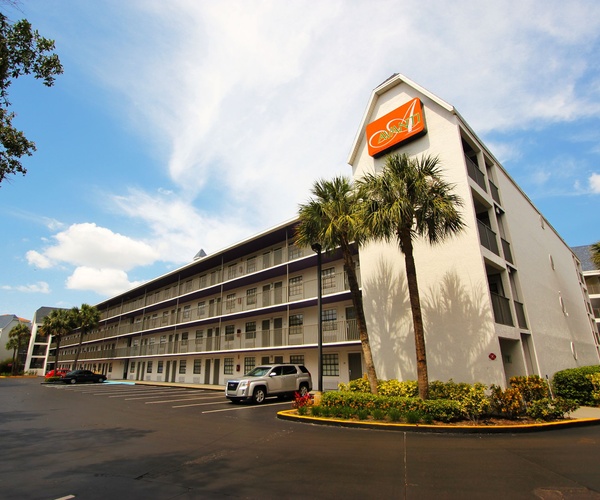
pixel 593 289
pixel 333 332
pixel 228 272
pixel 520 310
pixel 495 192
pixel 222 305
pixel 506 251
pixel 501 306
pixel 475 174
pixel 488 237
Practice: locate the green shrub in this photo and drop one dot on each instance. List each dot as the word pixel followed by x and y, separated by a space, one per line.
pixel 357 385
pixel 315 411
pixel 532 387
pixel 405 389
pixel 413 417
pixel 394 414
pixel 303 410
pixel 362 414
pixel 548 409
pixel 474 403
pixel 378 414
pixel 506 402
pixel 448 390
pixel 594 378
pixel 573 383
pixel 442 410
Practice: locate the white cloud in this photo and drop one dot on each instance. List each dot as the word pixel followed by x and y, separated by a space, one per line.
pixel 594 181
pixel 102 281
pixel 90 245
pixel 39 287
pixel 38 260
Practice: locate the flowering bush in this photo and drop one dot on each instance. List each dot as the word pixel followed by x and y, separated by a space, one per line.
pixel 594 378
pixel 302 401
pixel 507 402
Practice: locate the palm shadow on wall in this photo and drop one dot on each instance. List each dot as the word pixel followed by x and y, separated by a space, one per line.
pixel 455 319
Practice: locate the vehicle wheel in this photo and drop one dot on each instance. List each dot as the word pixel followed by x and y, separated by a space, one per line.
pixel 101 380
pixel 73 381
pixel 303 390
pixel 259 395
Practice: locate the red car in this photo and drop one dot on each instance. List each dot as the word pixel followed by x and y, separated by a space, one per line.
pixel 57 373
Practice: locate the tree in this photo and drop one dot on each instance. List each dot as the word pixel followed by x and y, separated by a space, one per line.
pixel 409 199
pixel 58 323
pixel 22 52
pixel 596 254
pixel 18 337
pixel 330 218
pixel 86 319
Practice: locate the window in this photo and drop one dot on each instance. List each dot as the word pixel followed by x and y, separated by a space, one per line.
pixel 249 363
pixel 149 367
pixel 163 339
pixel 331 365
pixel 232 271
pixel 184 338
pixel 132 367
pixel 203 281
pixel 229 332
pixel 251 296
pixel 197 366
pixel 250 330
pixel 182 367
pixel 228 366
pixel 296 322
pixel 167 293
pixel 199 334
pixel 329 318
pixel 295 286
pixel 251 265
pixel 159 368
pixel 188 286
pixel 186 312
pixel 165 317
pixel 201 309
pixel 230 303
pixel 328 278
pixel 297 359
pixel 294 252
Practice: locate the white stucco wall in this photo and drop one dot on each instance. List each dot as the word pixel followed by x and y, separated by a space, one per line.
pixel 459 327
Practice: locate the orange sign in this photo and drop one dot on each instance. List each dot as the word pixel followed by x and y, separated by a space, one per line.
pixel 405 122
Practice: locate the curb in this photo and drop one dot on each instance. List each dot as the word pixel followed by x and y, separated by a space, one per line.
pixel 439 429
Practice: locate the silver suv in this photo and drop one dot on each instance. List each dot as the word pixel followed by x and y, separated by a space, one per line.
pixel 269 380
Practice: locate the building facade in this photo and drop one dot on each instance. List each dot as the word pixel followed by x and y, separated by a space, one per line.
pixel 591 276
pixel 505 297
pixel 7 323
pixel 39 358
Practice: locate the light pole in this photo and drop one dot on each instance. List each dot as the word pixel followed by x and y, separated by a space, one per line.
pixel 316 247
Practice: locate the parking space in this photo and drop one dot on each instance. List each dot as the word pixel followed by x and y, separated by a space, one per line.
pixel 177 398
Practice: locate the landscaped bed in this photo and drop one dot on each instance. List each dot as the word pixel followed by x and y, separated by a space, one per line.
pixel 527 401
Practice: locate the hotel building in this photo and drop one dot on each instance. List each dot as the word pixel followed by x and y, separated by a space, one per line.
pixel 505 297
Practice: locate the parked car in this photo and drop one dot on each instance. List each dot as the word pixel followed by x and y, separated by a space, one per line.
pixel 269 380
pixel 81 376
pixel 56 373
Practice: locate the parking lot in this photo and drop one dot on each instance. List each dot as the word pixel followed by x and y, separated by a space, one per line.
pixel 205 400
pixel 99 441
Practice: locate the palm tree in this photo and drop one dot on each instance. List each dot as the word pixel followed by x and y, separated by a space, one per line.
pixel 18 336
pixel 330 219
pixel 409 199
pixel 58 323
pixel 86 319
pixel 596 254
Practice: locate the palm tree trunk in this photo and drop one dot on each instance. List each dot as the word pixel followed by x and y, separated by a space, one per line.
pixel 361 323
pixel 415 306
pixel 58 338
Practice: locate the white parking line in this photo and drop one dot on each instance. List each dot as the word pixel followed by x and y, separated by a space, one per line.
pixel 198 404
pixel 170 401
pixel 161 396
pixel 247 407
pixel 147 393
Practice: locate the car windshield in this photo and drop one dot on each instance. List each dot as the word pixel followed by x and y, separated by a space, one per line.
pixel 259 371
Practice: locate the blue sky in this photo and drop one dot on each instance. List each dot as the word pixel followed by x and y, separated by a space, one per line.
pixel 188 124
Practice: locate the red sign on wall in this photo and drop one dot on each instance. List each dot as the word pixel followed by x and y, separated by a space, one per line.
pixel 404 123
